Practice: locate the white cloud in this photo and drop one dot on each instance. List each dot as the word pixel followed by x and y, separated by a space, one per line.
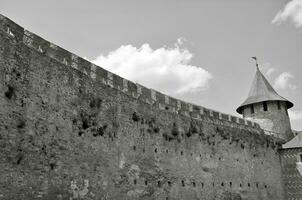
pixel 291 11
pixel 270 71
pixel 295 115
pixel 164 69
pixel 267 69
pixel 282 81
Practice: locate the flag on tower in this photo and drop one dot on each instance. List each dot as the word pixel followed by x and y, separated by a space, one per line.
pixel 255 58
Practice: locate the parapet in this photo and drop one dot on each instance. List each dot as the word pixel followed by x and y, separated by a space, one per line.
pixel 152 97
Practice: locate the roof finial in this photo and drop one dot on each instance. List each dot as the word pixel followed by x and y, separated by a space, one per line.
pixel 255 58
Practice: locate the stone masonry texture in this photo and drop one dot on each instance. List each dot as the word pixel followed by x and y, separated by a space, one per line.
pixel 71 130
pixel 292 179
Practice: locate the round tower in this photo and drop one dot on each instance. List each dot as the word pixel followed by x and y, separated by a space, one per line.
pixel 267 108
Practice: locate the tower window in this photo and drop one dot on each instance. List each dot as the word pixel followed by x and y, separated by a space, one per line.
pixel 252 109
pixel 300 156
pixel 279 105
pixel 265 106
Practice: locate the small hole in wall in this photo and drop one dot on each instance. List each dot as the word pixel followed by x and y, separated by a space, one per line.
pixel 21 125
pixel 155 150
pixel 169 183
pixel 135 117
pixel 146 182
pixel 183 183
pixel 19 159
pixel 248 184
pixel 158 184
pixel 202 184
pixel 194 184
pixel 265 186
pixel 52 166
pixel 10 92
pixel 257 185
pixel 213 184
pixel 134 181
pixel 85 124
pixel 222 184
pixel 81 133
pixel 240 185
pixel 134 148
pixel 156 129
pixel 181 153
pixel 231 184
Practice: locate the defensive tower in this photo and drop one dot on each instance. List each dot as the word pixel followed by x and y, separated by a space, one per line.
pixel 266 107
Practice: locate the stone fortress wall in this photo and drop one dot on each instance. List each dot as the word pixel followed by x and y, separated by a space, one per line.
pixel 70 129
pixel 292 179
pixel 275 118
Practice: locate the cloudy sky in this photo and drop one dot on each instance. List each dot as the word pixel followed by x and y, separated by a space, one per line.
pixel 196 50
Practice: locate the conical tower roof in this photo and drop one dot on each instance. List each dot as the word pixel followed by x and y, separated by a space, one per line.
pixel 260 91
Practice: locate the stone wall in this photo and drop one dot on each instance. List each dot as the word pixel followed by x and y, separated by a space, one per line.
pixel 71 130
pixel 292 179
pixel 274 121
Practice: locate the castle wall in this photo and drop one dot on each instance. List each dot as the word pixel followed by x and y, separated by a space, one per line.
pixel 71 130
pixel 274 121
pixel 292 178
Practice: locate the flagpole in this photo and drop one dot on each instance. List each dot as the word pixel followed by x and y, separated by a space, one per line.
pixel 255 58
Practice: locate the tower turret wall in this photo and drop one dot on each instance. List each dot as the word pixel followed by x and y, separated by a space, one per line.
pixel 273 119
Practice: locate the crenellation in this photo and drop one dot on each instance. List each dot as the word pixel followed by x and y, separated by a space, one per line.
pixel 109 80
pixel 28 38
pixel 167 99
pixel 125 85
pixel 84 66
pixel 220 115
pixel 211 114
pixel 12 29
pixel 178 104
pixel 74 61
pixel 139 91
pixel 153 94
pixel 89 128
pixel 118 82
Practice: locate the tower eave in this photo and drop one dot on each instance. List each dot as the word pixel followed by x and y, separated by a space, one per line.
pixel 250 102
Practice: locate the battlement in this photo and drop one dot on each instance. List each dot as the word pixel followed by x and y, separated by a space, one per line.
pixel 137 91
pixel 101 136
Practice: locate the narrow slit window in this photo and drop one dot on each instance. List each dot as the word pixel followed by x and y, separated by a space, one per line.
pixel 279 105
pixel 252 109
pixel 265 106
pixel 300 157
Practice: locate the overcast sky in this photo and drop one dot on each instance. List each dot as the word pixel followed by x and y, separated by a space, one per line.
pixel 196 50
